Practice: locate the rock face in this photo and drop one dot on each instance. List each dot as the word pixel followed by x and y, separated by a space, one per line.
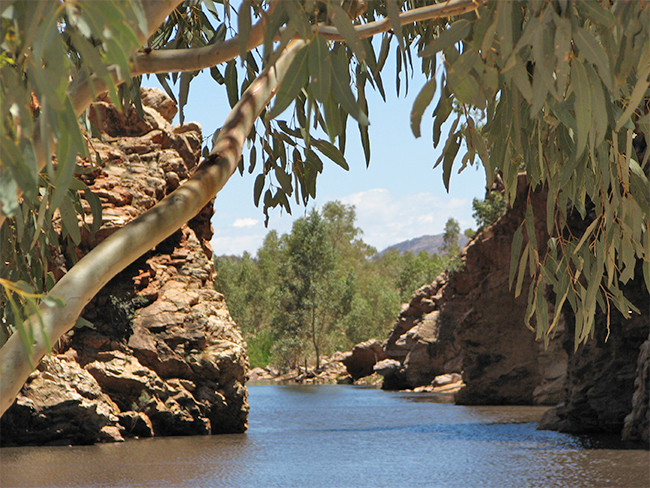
pixel 159 353
pixel 469 321
pixel 607 378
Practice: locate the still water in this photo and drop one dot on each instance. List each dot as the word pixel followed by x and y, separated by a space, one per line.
pixel 345 436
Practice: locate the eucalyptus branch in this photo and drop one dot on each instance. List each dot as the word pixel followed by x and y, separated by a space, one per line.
pixel 176 60
pixel 82 90
pixel 110 257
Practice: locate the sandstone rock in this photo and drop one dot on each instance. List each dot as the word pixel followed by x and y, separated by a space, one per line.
pixel 60 404
pixel 470 321
pixel 110 433
pixel 637 422
pixel 160 101
pixel 162 345
pixel 136 424
pixel 362 359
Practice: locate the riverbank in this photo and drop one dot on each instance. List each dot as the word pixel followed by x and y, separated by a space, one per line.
pixel 333 371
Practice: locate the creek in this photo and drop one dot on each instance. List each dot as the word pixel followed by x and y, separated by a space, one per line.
pixel 345 436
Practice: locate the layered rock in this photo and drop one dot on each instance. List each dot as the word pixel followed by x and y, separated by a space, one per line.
pixel 157 352
pixel 469 320
pixel 606 389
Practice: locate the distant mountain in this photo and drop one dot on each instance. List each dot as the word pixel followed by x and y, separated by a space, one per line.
pixel 431 244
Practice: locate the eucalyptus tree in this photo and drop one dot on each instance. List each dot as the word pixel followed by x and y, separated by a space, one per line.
pixel 560 89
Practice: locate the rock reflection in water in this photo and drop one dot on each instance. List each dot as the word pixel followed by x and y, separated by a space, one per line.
pixel 342 436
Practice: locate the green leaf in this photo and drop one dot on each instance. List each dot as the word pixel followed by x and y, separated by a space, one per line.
pixel 520 77
pixel 593 52
pixel 582 89
pixel 341 88
pixel 594 11
pixel 257 190
pixel 186 77
pixel 522 270
pixel 455 33
pixel 332 152
pixel 244 24
pixel 332 118
pixel 515 251
pixel 320 68
pixel 231 83
pixel 392 9
pixel 422 101
pixel 295 79
pixel 640 187
pixel 449 156
pixel 69 219
pixel 640 89
pixel 298 18
pixel 343 24
pixel 504 27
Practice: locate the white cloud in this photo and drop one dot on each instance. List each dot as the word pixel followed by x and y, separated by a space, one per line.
pixel 388 218
pixel 246 222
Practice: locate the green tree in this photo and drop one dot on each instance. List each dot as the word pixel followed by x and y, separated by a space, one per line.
pixel 419 270
pixel 562 86
pixel 308 287
pixel 488 211
pixel 450 237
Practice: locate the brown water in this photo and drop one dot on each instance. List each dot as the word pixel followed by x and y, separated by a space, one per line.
pixel 345 436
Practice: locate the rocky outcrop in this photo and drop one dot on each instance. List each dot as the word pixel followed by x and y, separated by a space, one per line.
pixel 607 375
pixel 469 320
pixel 157 352
pixel 637 423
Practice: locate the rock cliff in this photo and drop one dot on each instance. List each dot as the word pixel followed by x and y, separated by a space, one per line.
pixel 469 321
pixel 157 352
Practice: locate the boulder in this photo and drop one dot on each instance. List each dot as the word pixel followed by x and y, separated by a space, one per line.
pixel 363 357
pixel 61 403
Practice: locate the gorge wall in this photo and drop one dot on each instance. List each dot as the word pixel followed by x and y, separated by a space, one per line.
pixel 469 321
pixel 157 352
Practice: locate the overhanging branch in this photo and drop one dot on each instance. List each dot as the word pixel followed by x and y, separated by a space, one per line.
pixel 176 60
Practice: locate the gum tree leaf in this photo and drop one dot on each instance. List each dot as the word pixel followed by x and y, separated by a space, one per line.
pixel 295 79
pixel 332 152
pixel 582 89
pixel 422 101
pixel 456 32
pixel 320 67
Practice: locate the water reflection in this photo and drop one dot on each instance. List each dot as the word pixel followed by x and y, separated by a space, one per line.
pixel 342 436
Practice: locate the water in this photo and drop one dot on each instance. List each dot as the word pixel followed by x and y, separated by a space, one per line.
pixel 345 436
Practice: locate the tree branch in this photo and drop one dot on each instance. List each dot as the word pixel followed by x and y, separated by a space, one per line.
pixel 110 257
pixel 82 90
pixel 175 60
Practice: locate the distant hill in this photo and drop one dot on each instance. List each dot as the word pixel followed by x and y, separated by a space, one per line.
pixel 431 244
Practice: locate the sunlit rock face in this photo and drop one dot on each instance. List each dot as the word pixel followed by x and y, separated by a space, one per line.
pixel 159 353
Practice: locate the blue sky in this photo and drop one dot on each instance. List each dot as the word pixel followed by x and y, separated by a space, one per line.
pixel 399 197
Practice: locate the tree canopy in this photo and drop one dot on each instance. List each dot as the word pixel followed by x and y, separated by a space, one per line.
pixel 557 89
pixel 319 288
